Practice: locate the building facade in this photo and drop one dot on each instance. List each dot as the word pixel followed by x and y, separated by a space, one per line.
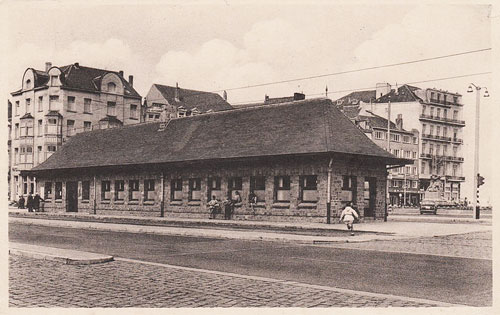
pixel 437 115
pixel 164 102
pixel 56 104
pixel 288 155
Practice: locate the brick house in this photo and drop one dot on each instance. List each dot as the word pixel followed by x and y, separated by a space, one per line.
pixel 288 154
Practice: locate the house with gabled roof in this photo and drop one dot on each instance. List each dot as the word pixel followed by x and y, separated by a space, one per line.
pixel 173 101
pixel 304 160
pixel 57 103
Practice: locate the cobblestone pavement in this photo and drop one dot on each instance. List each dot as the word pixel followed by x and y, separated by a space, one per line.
pixel 469 245
pixel 41 283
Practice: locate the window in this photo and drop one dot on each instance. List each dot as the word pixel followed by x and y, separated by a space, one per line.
pixel 87 105
pixel 133 112
pixel 29 128
pixel 149 190
pixel 444 98
pixel 105 190
pixel 415 140
pixel 157 116
pixel 432 95
pixel 71 103
pixel 258 186
pixel 438 130
pixel 407 170
pixel 40 154
pixel 58 191
pixel 40 128
pixel 16 131
pixel 455 151
pixel 445 131
pixel 70 128
pixel 87 125
pixel 395 137
pixel 308 188
pixel 432 111
pixel 445 149
pixel 422 168
pixel 414 184
pixel 176 189
pixel 424 127
pixel 431 130
pixel 111 109
pixel 407 154
pixel 455 114
pixel 28 84
pixel 16 112
pixel 195 189
pixel 406 139
pixel 51 148
pixel 455 133
pixel 86 190
pixel 40 103
pixel 439 97
pixel 119 190
pixel 431 148
pixel 379 135
pixel 438 112
pixel 445 113
pixel 111 87
pixel 133 190
pixel 47 191
pixel 53 100
pixel 28 105
pixel 282 188
pixel 423 109
pixel 397 152
pixel 455 170
pixel 16 156
pixel 234 184
pixel 214 188
pixel 53 80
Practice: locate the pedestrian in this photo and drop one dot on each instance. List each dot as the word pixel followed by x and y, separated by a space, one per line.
pixel 213 206
pixel 36 202
pixel 228 208
pixel 252 199
pixel 348 215
pixel 21 202
pixel 29 203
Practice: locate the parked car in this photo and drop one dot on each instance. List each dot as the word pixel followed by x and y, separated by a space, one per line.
pixel 429 206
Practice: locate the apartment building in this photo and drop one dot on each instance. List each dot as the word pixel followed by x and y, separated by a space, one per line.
pixel 55 104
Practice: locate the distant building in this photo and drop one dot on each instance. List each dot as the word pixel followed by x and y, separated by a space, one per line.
pixel 287 154
pixel 175 102
pixel 403 182
pixel 437 115
pixel 59 102
pixel 274 100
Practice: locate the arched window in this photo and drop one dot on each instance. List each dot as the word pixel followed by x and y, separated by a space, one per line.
pixel 28 84
pixel 111 87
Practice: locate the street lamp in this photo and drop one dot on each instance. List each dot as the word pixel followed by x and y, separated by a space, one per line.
pixel 476 145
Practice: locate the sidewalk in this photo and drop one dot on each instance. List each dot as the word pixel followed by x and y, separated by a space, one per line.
pixel 250 230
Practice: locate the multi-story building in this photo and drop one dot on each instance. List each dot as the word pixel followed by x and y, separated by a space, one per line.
pixel 55 104
pixel 437 116
pixel 403 182
pixel 175 102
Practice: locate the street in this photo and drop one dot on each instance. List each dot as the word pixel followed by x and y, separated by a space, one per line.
pixel 447 279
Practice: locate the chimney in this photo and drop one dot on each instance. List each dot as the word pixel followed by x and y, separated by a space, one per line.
pixel 120 73
pixel 299 96
pixel 131 80
pixel 176 92
pixel 77 65
pixel 48 65
pixel 224 95
pixel 399 122
pixel 266 98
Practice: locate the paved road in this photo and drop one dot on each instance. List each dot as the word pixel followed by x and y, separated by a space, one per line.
pixel 447 279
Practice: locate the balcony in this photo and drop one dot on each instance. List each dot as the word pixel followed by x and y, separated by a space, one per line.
pixel 442 119
pixel 441 157
pixel 456 140
pixel 443 102
pixel 435 137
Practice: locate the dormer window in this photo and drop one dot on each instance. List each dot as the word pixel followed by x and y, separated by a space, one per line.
pixel 54 80
pixel 111 87
pixel 28 84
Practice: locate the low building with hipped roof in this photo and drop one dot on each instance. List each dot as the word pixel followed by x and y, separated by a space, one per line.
pixel 295 157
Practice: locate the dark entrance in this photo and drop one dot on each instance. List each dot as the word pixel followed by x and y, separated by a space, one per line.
pixel 370 193
pixel 71 196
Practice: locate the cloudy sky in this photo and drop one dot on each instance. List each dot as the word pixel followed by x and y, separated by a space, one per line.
pixel 224 44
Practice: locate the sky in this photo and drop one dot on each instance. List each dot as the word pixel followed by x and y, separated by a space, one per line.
pixel 221 45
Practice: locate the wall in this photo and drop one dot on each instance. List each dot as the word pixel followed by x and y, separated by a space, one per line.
pixel 266 209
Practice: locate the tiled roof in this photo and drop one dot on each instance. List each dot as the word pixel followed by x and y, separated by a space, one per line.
pixel 405 93
pixel 354 97
pixel 301 127
pixel 26 116
pixel 190 99
pixel 112 119
pixel 53 113
pixel 75 76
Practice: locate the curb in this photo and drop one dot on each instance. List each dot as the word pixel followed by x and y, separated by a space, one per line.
pixel 65 258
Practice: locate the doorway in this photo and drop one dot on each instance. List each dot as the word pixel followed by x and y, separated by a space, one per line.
pixel 71 196
pixel 370 193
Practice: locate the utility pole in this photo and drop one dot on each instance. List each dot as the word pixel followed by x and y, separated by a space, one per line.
pixel 388 198
pixel 475 202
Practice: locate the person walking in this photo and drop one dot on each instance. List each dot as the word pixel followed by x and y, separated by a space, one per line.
pixel 36 202
pixel 348 215
pixel 21 202
pixel 252 199
pixel 29 203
